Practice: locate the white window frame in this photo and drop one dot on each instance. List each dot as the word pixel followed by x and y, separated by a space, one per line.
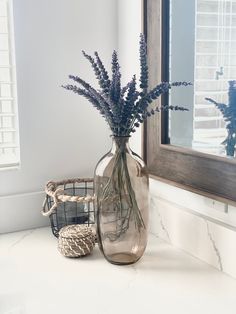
pixel 10 160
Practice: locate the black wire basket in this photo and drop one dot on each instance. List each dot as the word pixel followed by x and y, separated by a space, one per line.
pixel 69 202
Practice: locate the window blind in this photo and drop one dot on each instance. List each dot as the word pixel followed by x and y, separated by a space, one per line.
pixel 9 137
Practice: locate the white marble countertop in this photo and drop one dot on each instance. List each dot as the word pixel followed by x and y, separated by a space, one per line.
pixel 36 279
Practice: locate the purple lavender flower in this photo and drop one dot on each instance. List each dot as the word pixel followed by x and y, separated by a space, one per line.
pixel 123 108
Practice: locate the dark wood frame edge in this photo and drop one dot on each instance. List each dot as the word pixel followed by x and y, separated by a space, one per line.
pixel 208 175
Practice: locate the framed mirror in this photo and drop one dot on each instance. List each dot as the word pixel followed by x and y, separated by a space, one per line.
pixel 193 41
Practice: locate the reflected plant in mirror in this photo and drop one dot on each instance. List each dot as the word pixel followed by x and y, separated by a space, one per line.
pixel 208 36
pixel 229 115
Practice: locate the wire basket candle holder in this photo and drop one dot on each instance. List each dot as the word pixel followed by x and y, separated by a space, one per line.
pixel 69 202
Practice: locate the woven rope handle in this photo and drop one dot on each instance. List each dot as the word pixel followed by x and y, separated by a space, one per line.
pixel 58 194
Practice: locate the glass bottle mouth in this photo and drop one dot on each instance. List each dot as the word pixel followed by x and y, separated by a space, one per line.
pixel 120 136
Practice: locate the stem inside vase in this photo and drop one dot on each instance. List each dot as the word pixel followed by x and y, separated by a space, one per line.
pixel 118 196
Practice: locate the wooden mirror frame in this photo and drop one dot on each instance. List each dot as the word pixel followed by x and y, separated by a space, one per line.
pixel 208 175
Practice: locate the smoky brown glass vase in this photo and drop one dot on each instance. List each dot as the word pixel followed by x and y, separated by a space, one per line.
pixel 121 190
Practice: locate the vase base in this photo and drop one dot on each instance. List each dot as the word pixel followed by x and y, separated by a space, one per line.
pixel 124 258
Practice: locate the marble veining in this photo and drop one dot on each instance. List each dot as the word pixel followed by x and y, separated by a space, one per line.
pixel 161 222
pixel 164 228
pixel 196 234
pixel 36 279
pixel 134 276
pixel 20 239
pixel 217 252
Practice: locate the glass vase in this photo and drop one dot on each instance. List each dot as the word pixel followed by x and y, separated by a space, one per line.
pixel 121 190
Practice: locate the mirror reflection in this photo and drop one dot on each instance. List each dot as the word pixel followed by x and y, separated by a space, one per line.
pixel 202 47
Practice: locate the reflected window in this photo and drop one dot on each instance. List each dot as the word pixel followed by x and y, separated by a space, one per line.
pixel 203 51
pixel 9 138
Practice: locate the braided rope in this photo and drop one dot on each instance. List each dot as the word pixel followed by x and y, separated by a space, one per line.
pixel 59 195
pixel 76 240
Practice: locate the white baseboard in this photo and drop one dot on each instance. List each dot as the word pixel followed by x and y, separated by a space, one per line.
pixel 21 212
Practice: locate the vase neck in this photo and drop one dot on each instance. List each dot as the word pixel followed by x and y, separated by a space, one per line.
pixel 121 143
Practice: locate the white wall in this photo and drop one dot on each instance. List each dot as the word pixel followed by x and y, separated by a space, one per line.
pixel 61 135
pixel 129 29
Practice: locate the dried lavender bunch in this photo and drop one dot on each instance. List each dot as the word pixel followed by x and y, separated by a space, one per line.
pixel 123 108
pixel 229 114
